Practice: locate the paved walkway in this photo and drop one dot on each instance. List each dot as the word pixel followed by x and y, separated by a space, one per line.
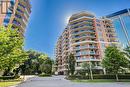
pixel 59 81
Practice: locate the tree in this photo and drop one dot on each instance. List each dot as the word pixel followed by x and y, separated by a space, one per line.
pixel 127 52
pixel 87 68
pixel 114 60
pixel 11 51
pixel 31 66
pixel 54 67
pixel 46 66
pixel 71 64
pixel 36 64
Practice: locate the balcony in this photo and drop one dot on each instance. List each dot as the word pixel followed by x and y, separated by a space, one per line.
pixel 79 37
pixel 83 17
pixel 82 22
pixel 84 31
pixel 87 59
pixel 82 42
pixel 96 67
pixel 85 47
pixel 86 53
pixel 92 53
pixel 22 2
pixel 83 26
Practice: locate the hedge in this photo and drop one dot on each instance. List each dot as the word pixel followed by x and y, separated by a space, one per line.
pixel 45 75
pixel 127 76
pixel 8 77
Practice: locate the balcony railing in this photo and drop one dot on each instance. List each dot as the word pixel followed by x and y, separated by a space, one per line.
pixel 89 31
pixel 87 59
pixel 81 18
pixel 87 25
pixel 96 67
pixel 85 47
pixel 85 53
pixel 91 36
pixel 82 22
pixel 93 53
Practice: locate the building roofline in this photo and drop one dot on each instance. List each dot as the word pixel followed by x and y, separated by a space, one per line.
pixel 118 13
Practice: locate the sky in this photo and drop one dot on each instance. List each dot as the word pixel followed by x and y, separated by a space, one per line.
pixel 49 18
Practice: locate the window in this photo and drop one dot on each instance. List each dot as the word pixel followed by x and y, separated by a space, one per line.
pixel 6 20
pixel 77 45
pixel 82 30
pixel 21 5
pixel 83 39
pixel 77 41
pixel 77 36
pixel 97 20
pixel 103 45
pixel 98 25
pixel 76 31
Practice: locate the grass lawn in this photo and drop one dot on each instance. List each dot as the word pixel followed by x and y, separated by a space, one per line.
pixel 102 80
pixel 10 83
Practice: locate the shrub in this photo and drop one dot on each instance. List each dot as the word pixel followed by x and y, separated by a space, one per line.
pixel 6 77
pixel 16 76
pixel 97 76
pixel 76 77
pixel 45 75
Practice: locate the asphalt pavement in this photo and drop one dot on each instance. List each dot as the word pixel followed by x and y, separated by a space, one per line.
pixel 59 81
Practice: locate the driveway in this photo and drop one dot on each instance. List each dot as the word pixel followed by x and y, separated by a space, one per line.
pixel 59 81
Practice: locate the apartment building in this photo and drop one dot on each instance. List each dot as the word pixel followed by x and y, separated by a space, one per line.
pixel 121 20
pixel 86 37
pixel 15 12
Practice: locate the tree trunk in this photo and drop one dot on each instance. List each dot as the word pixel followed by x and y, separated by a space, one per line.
pixel 91 74
pixel 117 79
pixel 104 71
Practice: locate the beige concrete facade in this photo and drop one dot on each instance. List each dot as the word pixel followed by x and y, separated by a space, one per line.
pixel 86 37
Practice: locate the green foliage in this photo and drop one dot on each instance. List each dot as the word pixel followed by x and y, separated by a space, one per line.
pixel 46 66
pixel 45 75
pixel 85 65
pixel 97 76
pixel 127 52
pixel 114 60
pixel 11 52
pixel 85 68
pixel 71 62
pixel 9 77
pixel 36 64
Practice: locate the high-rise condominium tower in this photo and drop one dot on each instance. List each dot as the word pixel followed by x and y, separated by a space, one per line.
pixel 15 12
pixel 121 20
pixel 86 37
